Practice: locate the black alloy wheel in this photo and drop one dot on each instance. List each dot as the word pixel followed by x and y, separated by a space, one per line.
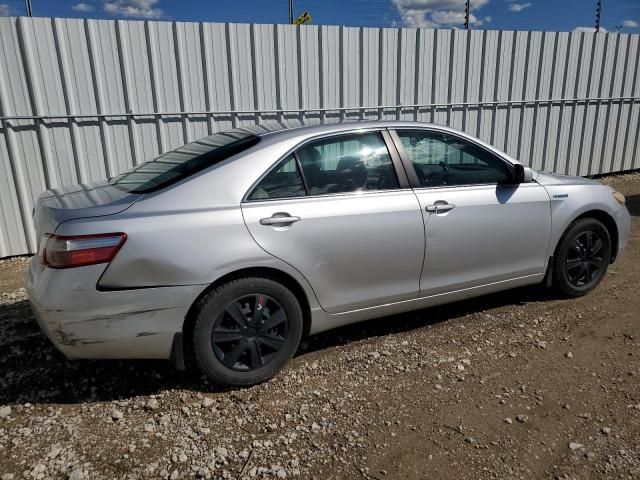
pixel 246 330
pixel 582 257
pixel 249 332
pixel 585 260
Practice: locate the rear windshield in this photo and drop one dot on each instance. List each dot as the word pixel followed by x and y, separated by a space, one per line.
pixel 185 161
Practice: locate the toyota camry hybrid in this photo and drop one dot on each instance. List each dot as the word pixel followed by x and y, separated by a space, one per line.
pixel 230 249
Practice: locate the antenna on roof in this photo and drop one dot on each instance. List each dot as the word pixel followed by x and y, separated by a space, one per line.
pixel 598 13
pixel 466 15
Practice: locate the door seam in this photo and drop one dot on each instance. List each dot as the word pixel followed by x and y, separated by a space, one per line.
pixel 425 242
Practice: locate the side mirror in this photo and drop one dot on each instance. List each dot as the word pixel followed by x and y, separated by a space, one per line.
pixel 518 173
pixel 521 174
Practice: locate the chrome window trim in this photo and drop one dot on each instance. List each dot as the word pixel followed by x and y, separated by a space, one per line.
pixel 476 185
pixel 331 195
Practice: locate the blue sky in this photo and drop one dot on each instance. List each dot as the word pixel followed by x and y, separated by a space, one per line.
pixel 562 15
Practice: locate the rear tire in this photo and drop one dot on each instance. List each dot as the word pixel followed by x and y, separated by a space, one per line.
pixel 246 330
pixel 582 257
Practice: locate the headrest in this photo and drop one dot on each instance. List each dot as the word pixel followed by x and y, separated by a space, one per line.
pixel 309 157
pixel 352 162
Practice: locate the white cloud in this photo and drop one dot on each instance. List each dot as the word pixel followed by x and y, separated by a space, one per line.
pixel 437 13
pixel 630 24
pixel 82 7
pixel 518 7
pixel 451 18
pixel 133 8
pixel 5 10
pixel 589 29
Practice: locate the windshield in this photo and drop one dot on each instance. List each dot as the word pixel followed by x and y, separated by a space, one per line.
pixel 185 161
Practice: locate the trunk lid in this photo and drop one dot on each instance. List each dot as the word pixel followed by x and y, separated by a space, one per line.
pixel 79 201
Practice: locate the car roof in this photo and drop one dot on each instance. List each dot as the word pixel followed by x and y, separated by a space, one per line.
pixel 275 132
pixel 297 128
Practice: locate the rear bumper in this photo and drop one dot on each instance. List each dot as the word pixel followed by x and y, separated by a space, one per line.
pixel 83 322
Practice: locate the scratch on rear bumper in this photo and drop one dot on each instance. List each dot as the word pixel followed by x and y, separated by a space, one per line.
pixel 83 322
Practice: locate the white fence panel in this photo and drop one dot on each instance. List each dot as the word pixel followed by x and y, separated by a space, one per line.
pixel 81 100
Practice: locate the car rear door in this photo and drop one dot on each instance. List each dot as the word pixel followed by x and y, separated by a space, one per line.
pixel 480 228
pixel 340 210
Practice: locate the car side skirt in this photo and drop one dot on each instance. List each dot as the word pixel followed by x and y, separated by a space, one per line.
pixel 322 321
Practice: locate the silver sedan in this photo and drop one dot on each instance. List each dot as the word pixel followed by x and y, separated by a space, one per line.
pixel 228 250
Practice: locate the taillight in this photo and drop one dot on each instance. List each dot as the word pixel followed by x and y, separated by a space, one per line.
pixel 58 251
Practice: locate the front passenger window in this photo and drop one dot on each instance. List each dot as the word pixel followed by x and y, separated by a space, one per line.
pixel 441 159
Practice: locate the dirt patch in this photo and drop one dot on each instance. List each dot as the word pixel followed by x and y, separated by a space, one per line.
pixel 513 385
pixel 12 277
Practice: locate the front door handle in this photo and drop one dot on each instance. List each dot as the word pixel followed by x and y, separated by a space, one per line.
pixel 440 207
pixel 280 219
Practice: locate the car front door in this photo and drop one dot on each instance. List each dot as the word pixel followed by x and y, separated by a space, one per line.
pixel 340 210
pixel 480 228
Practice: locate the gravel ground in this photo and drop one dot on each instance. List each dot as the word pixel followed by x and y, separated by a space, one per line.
pixel 514 385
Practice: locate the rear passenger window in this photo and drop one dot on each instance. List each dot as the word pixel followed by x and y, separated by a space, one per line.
pixel 283 182
pixel 347 163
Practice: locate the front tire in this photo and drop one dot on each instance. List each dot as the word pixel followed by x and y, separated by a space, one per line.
pixel 246 330
pixel 582 257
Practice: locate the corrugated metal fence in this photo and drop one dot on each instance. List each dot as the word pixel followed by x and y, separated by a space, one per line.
pixel 82 100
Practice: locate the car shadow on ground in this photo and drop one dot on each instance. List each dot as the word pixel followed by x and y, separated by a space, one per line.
pixel 633 205
pixel 34 371
pixel 422 318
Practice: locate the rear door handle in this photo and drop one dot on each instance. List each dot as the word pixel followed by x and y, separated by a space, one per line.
pixel 440 207
pixel 279 220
